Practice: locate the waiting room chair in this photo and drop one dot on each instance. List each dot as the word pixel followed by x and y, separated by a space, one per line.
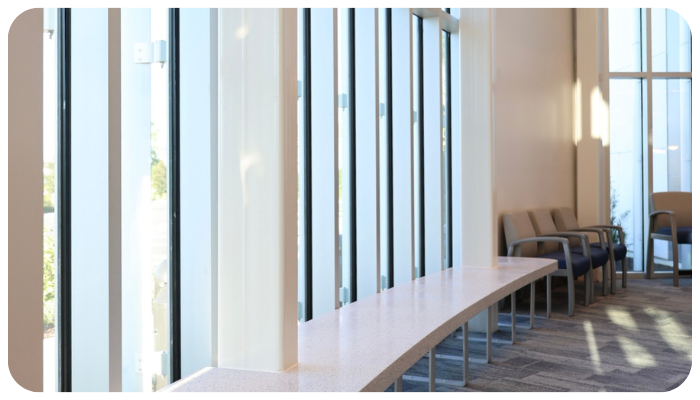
pixel 522 241
pixel 671 219
pixel 544 226
pixel 565 219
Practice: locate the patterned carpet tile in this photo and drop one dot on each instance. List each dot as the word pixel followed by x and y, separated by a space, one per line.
pixel 638 339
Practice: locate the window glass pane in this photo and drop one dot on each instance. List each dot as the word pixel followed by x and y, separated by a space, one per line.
pixel 89 201
pixel 49 158
pixel 625 39
pixel 343 156
pixel 670 41
pixel 672 156
pixel 301 220
pixel 383 148
pixel 198 77
pixel 145 327
pixel 443 170
pixel 416 145
pixel 626 124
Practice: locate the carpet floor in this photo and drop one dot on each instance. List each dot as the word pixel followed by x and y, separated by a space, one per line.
pixel 638 339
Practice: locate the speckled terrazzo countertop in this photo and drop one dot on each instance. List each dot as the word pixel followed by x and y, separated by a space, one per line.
pixel 367 345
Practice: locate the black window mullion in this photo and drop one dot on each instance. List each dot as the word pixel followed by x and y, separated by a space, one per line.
pixel 307 166
pixel 421 151
pixel 352 151
pixel 63 223
pixel 448 145
pixel 390 153
pixel 174 193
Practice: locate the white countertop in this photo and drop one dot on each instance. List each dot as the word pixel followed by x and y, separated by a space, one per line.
pixel 367 345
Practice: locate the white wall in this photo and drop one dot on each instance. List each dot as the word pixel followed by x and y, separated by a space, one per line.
pixel 533 110
pixel 24 200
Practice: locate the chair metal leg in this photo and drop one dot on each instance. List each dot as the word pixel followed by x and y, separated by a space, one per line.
pixel 674 244
pixel 570 287
pixel 612 264
pixel 624 271
pixel 587 283
pixel 605 272
pixel 650 257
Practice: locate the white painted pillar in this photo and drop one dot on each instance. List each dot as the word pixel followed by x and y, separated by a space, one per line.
pixel 591 126
pixel 257 180
pixel 478 195
pixel 24 200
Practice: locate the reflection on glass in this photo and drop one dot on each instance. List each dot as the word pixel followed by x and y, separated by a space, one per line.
pixel 625 39
pixel 50 136
pixel 670 42
pixel 672 156
pixel 626 165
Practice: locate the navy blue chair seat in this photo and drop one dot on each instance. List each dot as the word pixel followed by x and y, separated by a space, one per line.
pixel 620 250
pixel 684 235
pixel 579 263
pixel 598 256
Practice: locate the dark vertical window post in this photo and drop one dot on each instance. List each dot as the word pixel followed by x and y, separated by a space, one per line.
pixel 421 151
pixel 390 153
pixel 63 222
pixel 174 191
pixel 353 177
pixel 448 144
pixel 307 166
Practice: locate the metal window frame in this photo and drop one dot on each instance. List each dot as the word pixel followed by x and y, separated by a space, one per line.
pixel 174 263
pixel 308 222
pixel 352 132
pixel 448 146
pixel 63 215
pixel 645 73
pixel 421 147
pixel 390 151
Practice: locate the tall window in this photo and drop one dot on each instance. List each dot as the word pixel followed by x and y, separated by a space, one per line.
pixel 363 109
pixel 650 88
pixel 50 134
pixel 418 149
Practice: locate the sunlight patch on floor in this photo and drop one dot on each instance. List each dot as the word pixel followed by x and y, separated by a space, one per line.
pixel 671 331
pixel 622 318
pixel 592 346
pixel 636 355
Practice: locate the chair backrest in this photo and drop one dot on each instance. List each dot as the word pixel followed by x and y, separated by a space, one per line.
pixel 543 224
pixel 565 220
pixel 517 226
pixel 680 203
